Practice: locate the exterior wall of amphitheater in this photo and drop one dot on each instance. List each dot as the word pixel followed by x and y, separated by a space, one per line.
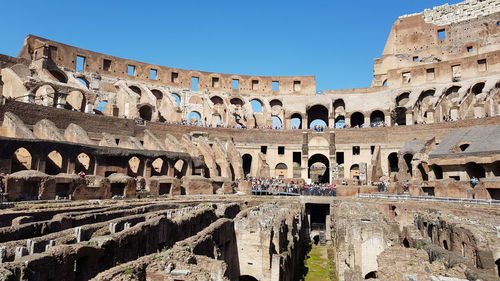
pixel 421 78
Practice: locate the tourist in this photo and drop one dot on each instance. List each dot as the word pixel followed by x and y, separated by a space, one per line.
pixel 474 181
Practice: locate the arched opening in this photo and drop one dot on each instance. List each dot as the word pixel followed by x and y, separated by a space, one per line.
pixel 475 170
pixel 402 99
pixel 357 119
pixel 393 162
pixel 377 118
pixel 408 157
pixel 296 121
pixel 320 175
pixel 354 171
pixel 277 124
pixel 59 75
pixel 398 116
pixel 146 112
pixel 247 278
pixel 179 168
pixel 445 245
pixel 478 88
pixel 54 163
pixel 194 117
pixel 256 105
pixel 316 239
pixel 317 116
pixel 216 120
pixel 135 167
pixel 135 89
pixel 438 171
pixel 371 275
pixel 426 95
pixel 21 160
pixel 464 146
pixel 84 163
pixel 423 173
pixel 340 122
pixel 158 167
pixel 83 81
pixel 247 164
pixel 157 93
pixel 177 99
pixel 452 92
pixel 281 171
pixel 216 100
pixel 237 102
pixel 339 107
pixel 406 243
pixel 276 105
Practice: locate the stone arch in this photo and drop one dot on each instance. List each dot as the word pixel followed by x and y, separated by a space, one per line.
pixel 371 275
pixel 216 120
pixel 402 99
pixel 135 167
pixel 340 121
pixel 59 75
pixel 477 88
pixel 357 119
pixel 180 167
pixel 247 164
pixel 135 89
pixel 256 105
pixel 216 100
pixel 296 121
pixel 319 158
pixel 393 161
pixel 159 167
pixel 277 123
pixel 377 117
pixel 195 100
pixel 354 171
pixel 281 171
pixel 54 163
pixel 84 81
pixel 275 103
pixel 21 160
pixel 176 98
pixel 146 112
pixel 157 93
pixel 338 107
pixel 475 170
pixel 237 102
pixel 85 163
pixel 194 115
pixel 398 115
pixel 426 95
pixel 317 112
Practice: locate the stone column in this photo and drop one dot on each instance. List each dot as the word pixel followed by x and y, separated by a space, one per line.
pixel 479 110
pixel 387 117
pixel 430 116
pixel 305 155
pixel 409 118
pixel 454 113
pixel 367 121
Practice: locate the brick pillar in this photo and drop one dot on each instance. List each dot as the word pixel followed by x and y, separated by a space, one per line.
pixel 409 118
pixel 305 155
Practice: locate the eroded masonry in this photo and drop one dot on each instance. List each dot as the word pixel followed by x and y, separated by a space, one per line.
pixel 114 169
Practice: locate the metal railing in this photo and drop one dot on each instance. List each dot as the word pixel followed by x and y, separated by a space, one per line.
pixel 431 199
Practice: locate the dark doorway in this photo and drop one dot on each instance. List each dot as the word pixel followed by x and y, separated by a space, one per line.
pixel 494 193
pixel 117 189
pixel 30 190
pixel 438 171
pixel 357 119
pixel 146 112
pixel 318 213
pixel 428 190
pixel 317 112
pixel 319 158
pixel 474 170
pixel 408 158
pixel 371 275
pixel 164 188
pixel 62 189
pixel 247 164
pixel 393 162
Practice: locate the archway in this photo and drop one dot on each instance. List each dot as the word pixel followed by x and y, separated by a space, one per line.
pixel 408 157
pixel 176 98
pixel 277 124
pixel 21 160
pixel 179 168
pixel 135 89
pixel 59 75
pixel 393 162
pixel 247 164
pixel 357 119
pixel 339 107
pixel 54 163
pixel 322 176
pixel 135 167
pixel 477 88
pixel 84 163
pixel 146 112
pixel 316 114
pixel 158 167
pixel 157 93
pixel 83 81
pixel 256 105
pixel 377 118
pixel 354 171
pixel 216 100
pixel 398 116
pixel 194 117
pixel 402 99
pixel 296 121
pixel 281 171
pixel 474 170
pixel 371 275
pixel 237 102
pixel 340 122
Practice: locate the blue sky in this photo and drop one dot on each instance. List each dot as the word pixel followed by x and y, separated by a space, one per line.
pixel 334 40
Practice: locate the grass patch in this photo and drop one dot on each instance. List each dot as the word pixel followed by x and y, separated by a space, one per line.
pixel 320 264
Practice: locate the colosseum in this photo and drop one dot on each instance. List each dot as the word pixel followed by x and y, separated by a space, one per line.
pixel 115 169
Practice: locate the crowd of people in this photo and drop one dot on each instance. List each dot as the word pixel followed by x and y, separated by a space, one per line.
pixel 298 187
